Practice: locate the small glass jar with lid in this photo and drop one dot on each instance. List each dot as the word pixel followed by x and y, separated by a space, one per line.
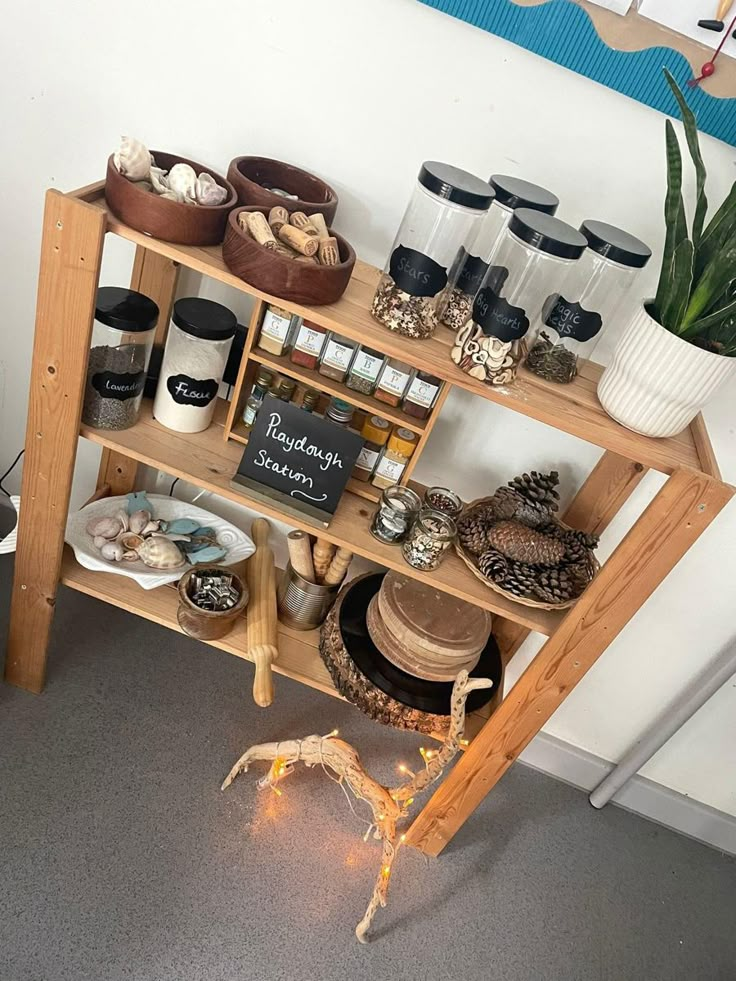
pixel 263 382
pixel 309 339
pixel 340 412
pixel 529 263
pixel 429 539
pixel 375 432
pixel 590 297
pixel 122 338
pixel 310 399
pixel 421 395
pixel 276 330
pixel 336 357
pixel 393 381
pixel 394 457
pixel 471 264
pixel 442 215
pixel 442 499
pixel 286 389
pixel 397 512
pixel 365 369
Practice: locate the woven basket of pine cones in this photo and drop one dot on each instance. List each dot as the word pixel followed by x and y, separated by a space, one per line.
pixel 514 542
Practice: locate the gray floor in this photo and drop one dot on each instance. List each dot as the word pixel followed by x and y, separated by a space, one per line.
pixel 121 859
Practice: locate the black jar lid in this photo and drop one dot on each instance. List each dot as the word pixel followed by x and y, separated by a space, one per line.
pixel 124 309
pixel 205 319
pixel 456 185
pixel 513 192
pixel 547 233
pixel 615 244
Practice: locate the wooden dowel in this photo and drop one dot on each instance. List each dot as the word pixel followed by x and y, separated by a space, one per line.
pixel 300 554
pixel 338 568
pixel 323 552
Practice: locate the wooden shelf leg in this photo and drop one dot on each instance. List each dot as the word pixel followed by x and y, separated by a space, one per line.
pixel 677 516
pixel 71 254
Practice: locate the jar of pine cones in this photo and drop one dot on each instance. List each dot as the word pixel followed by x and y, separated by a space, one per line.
pixel 515 542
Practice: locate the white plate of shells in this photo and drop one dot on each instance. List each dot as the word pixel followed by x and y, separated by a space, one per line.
pixel 122 539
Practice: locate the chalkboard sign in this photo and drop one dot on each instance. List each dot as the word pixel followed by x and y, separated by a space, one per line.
pixel 298 459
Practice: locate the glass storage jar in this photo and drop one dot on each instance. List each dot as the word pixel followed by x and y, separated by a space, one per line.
pixel 336 357
pixel 200 336
pixel 365 369
pixel 431 535
pixel 471 264
pixel 442 215
pixel 421 396
pixel 442 499
pixel 397 512
pixel 263 382
pixel 591 295
pixel 393 381
pixel 276 328
pixel 310 400
pixel 394 457
pixel 528 264
pixel 309 339
pixel 375 432
pixel 122 338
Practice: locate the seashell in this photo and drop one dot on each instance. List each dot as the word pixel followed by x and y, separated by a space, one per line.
pixel 151 527
pixel 130 541
pixel 160 553
pixel 182 180
pixel 133 160
pixel 123 518
pixel 159 180
pixel 143 186
pixel 208 192
pixel 130 556
pixel 113 551
pixel 107 528
pixel 98 541
pixel 171 196
pixel 138 521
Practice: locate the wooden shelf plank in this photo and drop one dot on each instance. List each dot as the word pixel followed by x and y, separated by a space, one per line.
pixel 573 408
pixel 209 461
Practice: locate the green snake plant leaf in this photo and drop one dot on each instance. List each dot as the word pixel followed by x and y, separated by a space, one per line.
pixel 719 229
pixel 722 316
pixel 681 283
pixel 717 278
pixel 691 135
pixel 675 222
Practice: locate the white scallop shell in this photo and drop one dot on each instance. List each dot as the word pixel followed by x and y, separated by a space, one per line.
pixel 208 192
pixel 133 160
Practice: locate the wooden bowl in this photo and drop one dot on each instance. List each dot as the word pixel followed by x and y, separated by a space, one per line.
pixel 185 224
pixel 279 275
pixel 248 175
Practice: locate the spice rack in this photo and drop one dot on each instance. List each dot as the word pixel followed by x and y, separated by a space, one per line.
pixel 73 237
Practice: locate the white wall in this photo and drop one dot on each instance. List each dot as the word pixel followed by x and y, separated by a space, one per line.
pixel 362 93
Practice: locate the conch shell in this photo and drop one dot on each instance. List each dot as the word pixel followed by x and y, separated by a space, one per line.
pixel 208 192
pixel 133 160
pixel 182 180
pixel 160 553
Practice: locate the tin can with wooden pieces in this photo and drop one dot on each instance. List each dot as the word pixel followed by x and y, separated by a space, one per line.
pixel 303 605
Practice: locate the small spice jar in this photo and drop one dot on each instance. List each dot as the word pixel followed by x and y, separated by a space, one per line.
pixel 529 263
pixel 442 215
pixel 394 457
pixel 421 396
pixel 310 400
pixel 275 330
pixel 444 500
pixel 393 381
pixel 365 369
pixel 200 336
pixel 431 535
pixel 263 382
pixel 122 338
pixel 397 512
pixel 340 412
pixel 286 390
pixel 590 296
pixel 336 357
pixel 471 264
pixel 375 432
pixel 309 339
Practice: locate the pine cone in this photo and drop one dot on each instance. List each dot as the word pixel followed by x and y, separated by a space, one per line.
pixel 522 544
pixel 538 489
pixel 557 585
pixel 471 532
pixel 509 575
pixel 493 565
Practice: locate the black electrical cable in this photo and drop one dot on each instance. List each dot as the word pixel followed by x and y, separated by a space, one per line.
pixel 173 485
pixel 9 471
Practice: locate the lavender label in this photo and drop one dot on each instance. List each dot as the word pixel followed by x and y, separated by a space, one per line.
pixel 415 273
pixel 497 318
pixel 111 385
pixel 192 391
pixel 570 319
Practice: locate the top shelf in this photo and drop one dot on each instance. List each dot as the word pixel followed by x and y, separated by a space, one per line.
pixel 572 408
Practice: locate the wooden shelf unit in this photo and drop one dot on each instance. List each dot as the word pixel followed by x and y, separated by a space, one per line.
pixel 74 229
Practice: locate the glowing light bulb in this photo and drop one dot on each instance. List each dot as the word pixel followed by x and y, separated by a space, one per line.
pixel 402 768
pixel 464 742
pixel 386 871
pixel 402 839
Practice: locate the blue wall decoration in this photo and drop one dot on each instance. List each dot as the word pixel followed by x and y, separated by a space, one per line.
pixel 562 31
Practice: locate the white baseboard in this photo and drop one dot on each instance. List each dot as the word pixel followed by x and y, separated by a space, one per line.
pixel 640 795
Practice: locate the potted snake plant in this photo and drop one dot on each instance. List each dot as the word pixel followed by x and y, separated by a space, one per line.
pixel 680 346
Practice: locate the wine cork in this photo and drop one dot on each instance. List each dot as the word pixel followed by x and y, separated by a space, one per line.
pixel 300 554
pixel 329 254
pixel 298 240
pixel 299 220
pixel 260 229
pixel 338 567
pixel 277 217
pixel 322 555
pixel 243 222
pixel 318 220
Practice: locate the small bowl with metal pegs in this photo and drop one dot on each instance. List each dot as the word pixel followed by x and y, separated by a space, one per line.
pixel 211 599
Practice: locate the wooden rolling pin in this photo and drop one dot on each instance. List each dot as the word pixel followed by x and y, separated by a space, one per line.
pixel 323 552
pixel 338 567
pixel 300 554
pixel 261 619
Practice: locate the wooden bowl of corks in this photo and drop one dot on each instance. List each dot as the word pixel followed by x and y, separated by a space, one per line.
pixel 253 178
pixel 290 255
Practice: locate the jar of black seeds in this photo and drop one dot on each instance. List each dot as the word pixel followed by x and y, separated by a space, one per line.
pixel 122 339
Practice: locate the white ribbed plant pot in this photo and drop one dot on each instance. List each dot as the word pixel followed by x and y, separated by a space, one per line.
pixel 657 383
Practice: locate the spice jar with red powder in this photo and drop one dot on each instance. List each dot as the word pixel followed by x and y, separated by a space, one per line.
pixel 308 344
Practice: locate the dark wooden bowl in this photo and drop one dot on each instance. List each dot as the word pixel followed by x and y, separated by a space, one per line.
pixel 252 176
pixel 279 275
pixel 185 224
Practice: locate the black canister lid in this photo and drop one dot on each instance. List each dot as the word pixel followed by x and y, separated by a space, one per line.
pixel 204 318
pixel 124 309
pixel 456 185
pixel 547 233
pixel 615 244
pixel 513 192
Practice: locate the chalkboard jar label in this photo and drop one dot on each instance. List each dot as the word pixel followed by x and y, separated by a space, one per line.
pixel 498 318
pixel 415 273
pixel 470 273
pixel 122 386
pixel 198 392
pixel 571 320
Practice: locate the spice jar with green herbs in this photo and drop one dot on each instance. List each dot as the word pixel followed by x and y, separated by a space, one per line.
pixel 365 369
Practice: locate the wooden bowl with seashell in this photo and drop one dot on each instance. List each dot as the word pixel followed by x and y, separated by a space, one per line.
pixel 160 217
pixel 299 279
pixel 253 178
